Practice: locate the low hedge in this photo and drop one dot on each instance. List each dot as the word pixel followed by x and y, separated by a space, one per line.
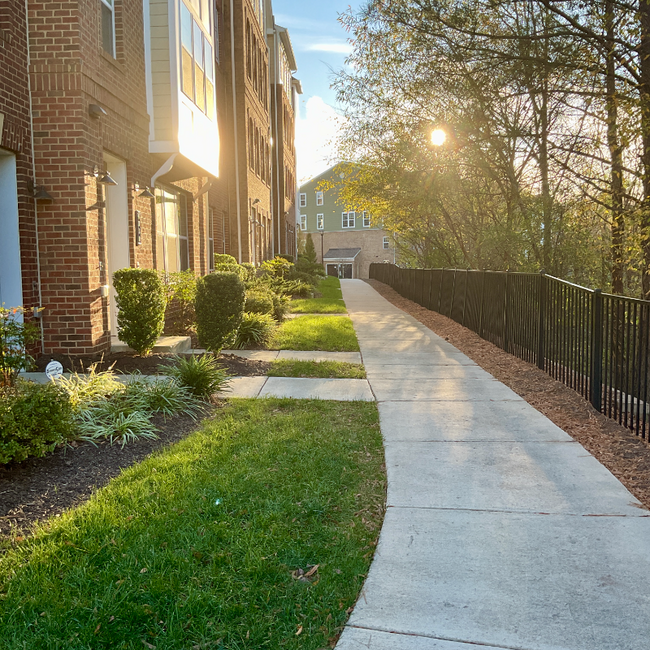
pixel 34 418
pixel 219 307
pixel 141 300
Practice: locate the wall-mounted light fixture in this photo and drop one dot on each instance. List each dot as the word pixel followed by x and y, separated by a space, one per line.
pixel 96 111
pixel 146 194
pixel 106 179
pixel 103 178
pixel 39 193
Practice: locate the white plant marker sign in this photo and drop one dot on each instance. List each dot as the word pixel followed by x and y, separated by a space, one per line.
pixel 53 370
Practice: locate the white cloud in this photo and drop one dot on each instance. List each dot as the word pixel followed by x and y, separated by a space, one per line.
pixel 338 48
pixel 316 133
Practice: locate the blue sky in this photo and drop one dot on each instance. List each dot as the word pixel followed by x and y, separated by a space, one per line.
pixel 320 45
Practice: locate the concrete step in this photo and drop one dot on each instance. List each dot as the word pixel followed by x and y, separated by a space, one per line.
pixel 164 345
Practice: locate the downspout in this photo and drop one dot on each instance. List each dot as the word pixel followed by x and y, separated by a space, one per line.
pixel 31 127
pixel 234 117
pixel 280 212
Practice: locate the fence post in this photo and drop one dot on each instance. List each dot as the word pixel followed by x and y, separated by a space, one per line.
pixel 465 296
pixel 453 295
pixel 541 328
pixel 442 279
pixel 596 379
pixel 506 340
pixel 480 319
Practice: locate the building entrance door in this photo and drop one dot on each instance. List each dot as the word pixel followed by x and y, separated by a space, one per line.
pixel 345 271
pixel 11 286
pixel 117 229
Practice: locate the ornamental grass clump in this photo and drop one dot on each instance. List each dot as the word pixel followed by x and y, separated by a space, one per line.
pixel 219 308
pixel 255 330
pixel 201 375
pixel 141 301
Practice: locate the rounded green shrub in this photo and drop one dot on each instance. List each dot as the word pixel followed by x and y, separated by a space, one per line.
pixel 33 419
pixel 259 302
pixel 141 302
pixel 222 258
pixel 232 268
pixel 255 330
pixel 219 307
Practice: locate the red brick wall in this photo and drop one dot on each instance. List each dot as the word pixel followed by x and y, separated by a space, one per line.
pixel 70 71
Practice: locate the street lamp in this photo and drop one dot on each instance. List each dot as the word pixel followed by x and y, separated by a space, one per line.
pixel 438 137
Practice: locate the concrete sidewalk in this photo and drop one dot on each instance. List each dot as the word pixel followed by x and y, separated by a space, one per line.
pixel 500 530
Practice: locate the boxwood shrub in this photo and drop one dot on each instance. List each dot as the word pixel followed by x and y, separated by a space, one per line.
pixel 259 302
pixel 141 301
pixel 33 419
pixel 219 308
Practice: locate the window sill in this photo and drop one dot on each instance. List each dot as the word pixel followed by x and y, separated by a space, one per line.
pixel 113 61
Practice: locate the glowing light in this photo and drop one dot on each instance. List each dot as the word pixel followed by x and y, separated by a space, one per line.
pixel 438 137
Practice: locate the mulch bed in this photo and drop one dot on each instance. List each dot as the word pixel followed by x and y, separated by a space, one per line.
pixel 39 488
pixel 126 362
pixel 625 455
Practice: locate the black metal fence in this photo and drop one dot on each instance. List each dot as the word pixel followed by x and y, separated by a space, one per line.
pixel 597 344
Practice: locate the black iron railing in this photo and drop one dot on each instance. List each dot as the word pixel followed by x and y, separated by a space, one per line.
pixel 597 344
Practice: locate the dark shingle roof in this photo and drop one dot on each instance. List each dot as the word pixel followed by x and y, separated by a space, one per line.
pixel 341 253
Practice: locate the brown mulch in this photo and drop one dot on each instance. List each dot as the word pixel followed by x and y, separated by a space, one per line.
pixel 126 362
pixel 625 455
pixel 39 488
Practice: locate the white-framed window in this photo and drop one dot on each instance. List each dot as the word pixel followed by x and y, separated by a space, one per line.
pixel 303 200
pixel 108 26
pixel 320 221
pixel 172 247
pixel 386 242
pixel 303 222
pixel 319 198
pixel 197 57
pixel 366 219
pixel 348 220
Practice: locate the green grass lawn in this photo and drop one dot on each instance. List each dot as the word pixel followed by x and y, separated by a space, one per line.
pixel 320 369
pixel 329 301
pixel 331 333
pixel 195 547
pixel 317 306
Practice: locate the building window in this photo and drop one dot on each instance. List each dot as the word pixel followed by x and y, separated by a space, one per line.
pixel 320 221
pixel 386 242
pixel 172 246
pixel 349 219
pixel 303 222
pixel 108 26
pixel 197 61
pixel 319 198
pixel 366 219
pixel 303 200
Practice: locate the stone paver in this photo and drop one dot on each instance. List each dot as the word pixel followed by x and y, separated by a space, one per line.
pixel 501 531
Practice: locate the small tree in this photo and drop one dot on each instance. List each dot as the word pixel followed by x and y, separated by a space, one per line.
pixel 219 308
pixel 141 302
pixel 15 336
pixel 310 250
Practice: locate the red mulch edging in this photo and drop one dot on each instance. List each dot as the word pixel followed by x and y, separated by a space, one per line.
pixel 625 455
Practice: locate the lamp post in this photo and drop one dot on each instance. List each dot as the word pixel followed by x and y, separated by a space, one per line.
pixel 254 222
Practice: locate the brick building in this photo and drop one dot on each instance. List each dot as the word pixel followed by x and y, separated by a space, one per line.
pixel 284 104
pixel 118 101
pixel 346 242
